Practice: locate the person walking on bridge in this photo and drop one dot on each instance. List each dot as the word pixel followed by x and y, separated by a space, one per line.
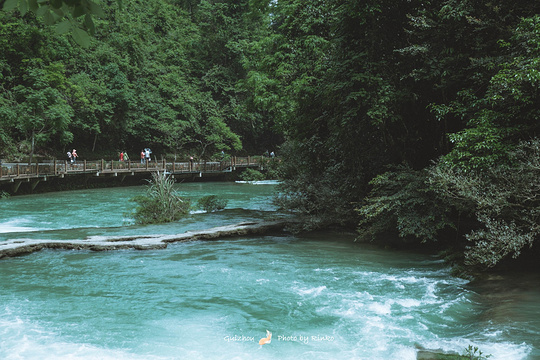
pixel 147 153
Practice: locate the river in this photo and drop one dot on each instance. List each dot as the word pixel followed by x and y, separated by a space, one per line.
pixel 322 296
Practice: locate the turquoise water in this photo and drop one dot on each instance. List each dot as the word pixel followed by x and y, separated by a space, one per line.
pixel 321 295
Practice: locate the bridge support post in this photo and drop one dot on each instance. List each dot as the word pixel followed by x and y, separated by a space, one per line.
pixel 34 183
pixel 16 186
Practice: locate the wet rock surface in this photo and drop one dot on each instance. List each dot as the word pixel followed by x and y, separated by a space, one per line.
pixel 18 247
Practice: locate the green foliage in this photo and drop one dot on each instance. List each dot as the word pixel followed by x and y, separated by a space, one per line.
pixel 161 203
pixel 153 75
pixel 403 83
pixel 473 353
pixel 271 167
pixel 317 193
pixel 69 16
pixel 252 175
pixel 211 203
pixel 504 200
pixel 42 111
pixel 403 200
pixel 506 112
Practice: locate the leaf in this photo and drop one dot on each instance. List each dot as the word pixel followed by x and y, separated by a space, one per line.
pixel 96 9
pixel 79 11
pixel 23 7
pixel 89 24
pixel 57 4
pixel 48 17
pixel 81 37
pixel 33 4
pixel 63 27
pixel 58 13
pixel 10 5
pixel 42 10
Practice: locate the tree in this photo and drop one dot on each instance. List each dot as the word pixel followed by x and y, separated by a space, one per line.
pixel 505 201
pixel 336 99
pixel 88 98
pixel 41 108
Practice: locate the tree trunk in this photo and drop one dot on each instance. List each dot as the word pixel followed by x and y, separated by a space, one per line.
pixel 32 147
pixel 94 144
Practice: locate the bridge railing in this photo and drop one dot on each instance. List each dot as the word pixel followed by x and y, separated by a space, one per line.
pixel 55 167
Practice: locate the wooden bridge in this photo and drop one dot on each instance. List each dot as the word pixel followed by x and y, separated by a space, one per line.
pixel 17 173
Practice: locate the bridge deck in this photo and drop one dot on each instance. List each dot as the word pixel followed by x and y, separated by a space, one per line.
pixel 16 172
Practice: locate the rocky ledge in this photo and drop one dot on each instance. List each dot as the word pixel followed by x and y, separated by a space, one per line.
pixel 19 247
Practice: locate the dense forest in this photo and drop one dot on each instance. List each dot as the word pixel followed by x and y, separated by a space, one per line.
pixel 415 120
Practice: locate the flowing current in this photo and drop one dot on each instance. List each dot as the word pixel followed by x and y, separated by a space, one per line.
pixel 322 296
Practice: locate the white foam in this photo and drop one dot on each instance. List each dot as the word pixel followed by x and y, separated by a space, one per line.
pixel 197 212
pixel 408 303
pixel 404 353
pixel 496 350
pixel 493 333
pixel 380 309
pixel 312 291
pixel 18 225
pixel 21 339
pixel 262 182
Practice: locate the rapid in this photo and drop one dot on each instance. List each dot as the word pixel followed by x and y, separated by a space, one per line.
pixel 320 295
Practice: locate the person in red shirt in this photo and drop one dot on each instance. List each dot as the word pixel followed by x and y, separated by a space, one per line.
pixel 74 155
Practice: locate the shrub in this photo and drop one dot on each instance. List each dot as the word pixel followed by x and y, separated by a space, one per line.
pixel 403 200
pixel 505 201
pixel 473 353
pixel 211 203
pixel 161 203
pixel 252 175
